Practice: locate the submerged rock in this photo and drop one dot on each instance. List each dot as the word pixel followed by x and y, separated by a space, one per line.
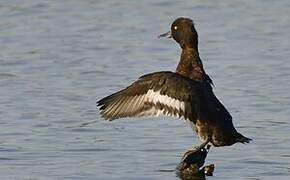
pixel 208 170
pixel 190 166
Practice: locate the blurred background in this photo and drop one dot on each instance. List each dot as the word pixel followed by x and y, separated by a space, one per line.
pixel 58 57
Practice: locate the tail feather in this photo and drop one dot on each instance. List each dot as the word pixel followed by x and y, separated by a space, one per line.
pixel 243 139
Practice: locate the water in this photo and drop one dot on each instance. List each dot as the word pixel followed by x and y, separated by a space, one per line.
pixel 58 57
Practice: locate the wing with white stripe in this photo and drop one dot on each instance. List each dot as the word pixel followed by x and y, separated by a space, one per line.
pixel 153 94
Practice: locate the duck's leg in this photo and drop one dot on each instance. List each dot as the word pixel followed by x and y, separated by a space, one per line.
pixel 194 159
pixel 196 154
pixel 202 145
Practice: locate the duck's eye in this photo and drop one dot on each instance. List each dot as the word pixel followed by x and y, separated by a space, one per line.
pixel 175 27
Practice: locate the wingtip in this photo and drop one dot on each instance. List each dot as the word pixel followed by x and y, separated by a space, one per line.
pixel 105 116
pixel 100 102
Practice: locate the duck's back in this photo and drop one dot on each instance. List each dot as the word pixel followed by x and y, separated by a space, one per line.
pixel 214 122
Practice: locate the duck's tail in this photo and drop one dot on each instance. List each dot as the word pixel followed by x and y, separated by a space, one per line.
pixel 243 139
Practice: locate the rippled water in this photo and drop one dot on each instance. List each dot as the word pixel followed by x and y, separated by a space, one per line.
pixel 58 57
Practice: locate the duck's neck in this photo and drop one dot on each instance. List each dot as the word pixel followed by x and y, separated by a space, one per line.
pixel 190 64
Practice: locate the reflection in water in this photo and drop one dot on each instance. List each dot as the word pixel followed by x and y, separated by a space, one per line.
pixel 193 177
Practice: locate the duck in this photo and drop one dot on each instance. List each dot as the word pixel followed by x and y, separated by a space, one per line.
pixel 186 93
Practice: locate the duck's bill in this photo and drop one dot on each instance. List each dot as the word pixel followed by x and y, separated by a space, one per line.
pixel 166 35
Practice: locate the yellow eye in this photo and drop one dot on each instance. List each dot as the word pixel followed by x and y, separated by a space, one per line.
pixel 175 27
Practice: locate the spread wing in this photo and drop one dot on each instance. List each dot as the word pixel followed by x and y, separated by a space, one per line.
pixel 153 94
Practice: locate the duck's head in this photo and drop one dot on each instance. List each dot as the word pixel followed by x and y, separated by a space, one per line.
pixel 183 32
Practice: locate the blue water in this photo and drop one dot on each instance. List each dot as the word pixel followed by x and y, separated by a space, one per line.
pixel 58 57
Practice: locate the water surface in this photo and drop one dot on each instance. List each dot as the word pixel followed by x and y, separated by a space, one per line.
pixel 58 57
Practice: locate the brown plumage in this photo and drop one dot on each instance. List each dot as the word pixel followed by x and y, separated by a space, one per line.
pixel 185 93
pixel 136 100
